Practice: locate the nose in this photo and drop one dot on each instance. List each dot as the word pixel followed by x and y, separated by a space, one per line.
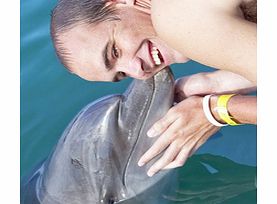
pixel 132 68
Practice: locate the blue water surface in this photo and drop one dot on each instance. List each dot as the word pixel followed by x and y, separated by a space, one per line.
pixel 51 97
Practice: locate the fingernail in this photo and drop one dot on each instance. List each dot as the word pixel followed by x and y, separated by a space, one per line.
pixel 140 163
pixel 150 173
pixel 151 133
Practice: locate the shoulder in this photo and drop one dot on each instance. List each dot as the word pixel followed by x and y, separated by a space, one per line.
pixel 168 5
pixel 169 13
pixel 202 30
pixel 185 25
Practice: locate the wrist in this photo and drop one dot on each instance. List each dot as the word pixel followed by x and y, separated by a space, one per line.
pixel 213 105
pixel 206 103
pixel 219 111
pixel 222 109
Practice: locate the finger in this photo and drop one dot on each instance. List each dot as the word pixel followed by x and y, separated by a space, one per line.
pixel 162 142
pixel 180 159
pixel 161 125
pixel 183 155
pixel 168 156
pixel 203 139
pixel 192 143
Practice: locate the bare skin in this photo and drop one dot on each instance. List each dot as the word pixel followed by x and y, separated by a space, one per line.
pixel 243 108
pixel 217 82
pixel 219 37
pixel 185 128
pixel 224 28
pixel 180 140
pixel 211 39
pixel 214 33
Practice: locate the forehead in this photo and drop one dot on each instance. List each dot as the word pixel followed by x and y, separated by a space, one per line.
pixel 85 44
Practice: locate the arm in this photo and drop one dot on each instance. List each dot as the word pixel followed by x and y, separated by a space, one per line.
pixel 210 32
pixel 242 108
pixel 185 128
pixel 221 82
pixel 217 82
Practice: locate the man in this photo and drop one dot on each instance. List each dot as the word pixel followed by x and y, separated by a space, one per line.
pixel 110 40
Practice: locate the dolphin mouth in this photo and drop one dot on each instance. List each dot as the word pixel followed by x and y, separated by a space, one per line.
pixel 141 124
pixel 158 98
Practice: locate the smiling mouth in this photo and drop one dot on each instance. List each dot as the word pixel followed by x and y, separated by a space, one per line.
pixel 155 54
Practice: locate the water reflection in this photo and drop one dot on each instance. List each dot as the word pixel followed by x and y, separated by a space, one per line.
pixel 205 178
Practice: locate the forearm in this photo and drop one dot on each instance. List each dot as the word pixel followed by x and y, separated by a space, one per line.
pixel 229 82
pixel 217 82
pixel 242 108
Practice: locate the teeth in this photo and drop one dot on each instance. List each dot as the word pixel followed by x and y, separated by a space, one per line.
pixel 155 55
pixel 155 52
pixel 157 61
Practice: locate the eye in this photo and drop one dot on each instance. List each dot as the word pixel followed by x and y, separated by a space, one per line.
pixel 115 52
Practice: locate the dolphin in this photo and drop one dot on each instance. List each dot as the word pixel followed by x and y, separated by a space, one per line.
pixel 95 160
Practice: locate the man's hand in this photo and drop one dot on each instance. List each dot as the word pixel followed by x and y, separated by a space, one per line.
pixel 185 127
pixel 181 132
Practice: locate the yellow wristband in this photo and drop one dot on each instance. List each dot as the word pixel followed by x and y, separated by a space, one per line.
pixel 222 109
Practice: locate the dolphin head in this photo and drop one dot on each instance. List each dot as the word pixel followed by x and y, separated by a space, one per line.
pixel 95 160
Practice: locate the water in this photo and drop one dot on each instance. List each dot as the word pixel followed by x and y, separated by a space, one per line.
pixel 51 97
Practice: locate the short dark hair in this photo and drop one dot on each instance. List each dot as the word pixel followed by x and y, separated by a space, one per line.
pixel 69 13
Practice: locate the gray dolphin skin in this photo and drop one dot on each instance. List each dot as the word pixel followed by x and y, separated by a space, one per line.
pixel 95 160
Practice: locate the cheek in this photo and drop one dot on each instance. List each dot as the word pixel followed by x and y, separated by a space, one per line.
pixel 138 23
pixel 145 27
pixel 135 35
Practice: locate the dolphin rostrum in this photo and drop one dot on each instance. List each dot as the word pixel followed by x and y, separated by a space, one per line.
pixel 95 160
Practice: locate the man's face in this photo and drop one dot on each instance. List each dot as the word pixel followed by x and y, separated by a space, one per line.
pixel 111 50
